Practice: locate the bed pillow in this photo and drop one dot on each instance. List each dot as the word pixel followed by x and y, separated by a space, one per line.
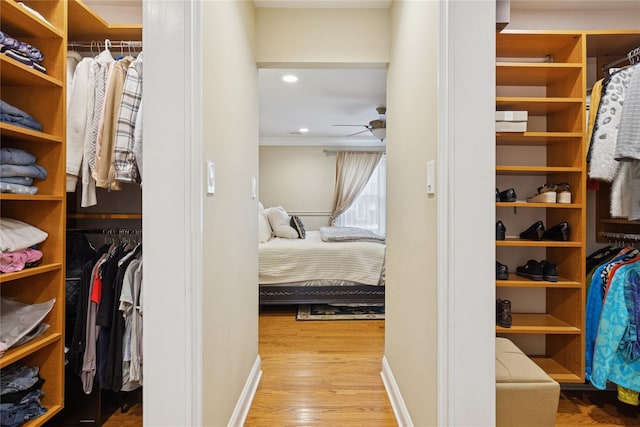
pixel 296 223
pixel 279 220
pixel 264 229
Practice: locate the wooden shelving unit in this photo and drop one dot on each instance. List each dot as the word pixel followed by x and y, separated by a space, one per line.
pixel 43 97
pixel 544 74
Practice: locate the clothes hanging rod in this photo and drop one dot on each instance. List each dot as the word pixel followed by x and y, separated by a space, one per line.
pixel 107 231
pixel 620 236
pixel 633 53
pixel 100 44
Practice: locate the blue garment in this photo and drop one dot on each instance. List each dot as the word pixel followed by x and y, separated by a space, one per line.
pixel 16 414
pixel 595 300
pixel 17 378
pixel 630 343
pixel 26 49
pixel 32 171
pixel 6 187
pixel 16 156
pixel 608 362
pixel 15 116
pixel 22 180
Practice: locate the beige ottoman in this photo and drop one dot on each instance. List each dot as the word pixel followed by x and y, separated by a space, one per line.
pixel 525 394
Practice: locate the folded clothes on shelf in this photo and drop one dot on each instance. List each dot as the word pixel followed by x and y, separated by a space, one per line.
pixel 16 235
pixel 31 52
pixel 15 116
pixel 19 319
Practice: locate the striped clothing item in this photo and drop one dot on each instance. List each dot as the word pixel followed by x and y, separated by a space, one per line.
pixel 124 162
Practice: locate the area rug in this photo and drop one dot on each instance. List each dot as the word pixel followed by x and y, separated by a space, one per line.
pixel 339 312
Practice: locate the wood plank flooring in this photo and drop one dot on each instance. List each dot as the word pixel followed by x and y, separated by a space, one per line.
pixel 319 373
pixel 328 374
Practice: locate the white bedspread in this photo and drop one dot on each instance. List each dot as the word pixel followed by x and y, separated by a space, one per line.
pixel 293 260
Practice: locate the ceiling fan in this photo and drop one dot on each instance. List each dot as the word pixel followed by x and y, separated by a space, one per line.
pixel 378 127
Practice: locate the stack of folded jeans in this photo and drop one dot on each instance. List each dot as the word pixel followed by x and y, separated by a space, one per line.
pixel 18 169
pixel 21 52
pixel 20 394
pixel 14 116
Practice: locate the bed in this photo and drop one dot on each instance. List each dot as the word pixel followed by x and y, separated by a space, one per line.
pixel 314 271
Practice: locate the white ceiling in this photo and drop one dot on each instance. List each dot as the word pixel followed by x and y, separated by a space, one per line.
pixel 320 99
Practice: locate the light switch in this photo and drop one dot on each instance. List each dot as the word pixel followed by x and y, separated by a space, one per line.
pixel 211 177
pixel 431 177
pixel 254 187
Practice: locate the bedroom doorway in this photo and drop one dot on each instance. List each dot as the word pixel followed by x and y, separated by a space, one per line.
pixel 308 119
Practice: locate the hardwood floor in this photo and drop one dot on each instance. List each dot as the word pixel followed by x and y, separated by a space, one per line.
pixel 318 373
pixel 328 374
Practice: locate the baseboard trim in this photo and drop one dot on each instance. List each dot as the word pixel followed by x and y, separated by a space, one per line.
pixel 399 409
pixel 248 392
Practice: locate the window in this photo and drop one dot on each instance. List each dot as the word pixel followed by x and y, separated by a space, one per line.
pixel 368 211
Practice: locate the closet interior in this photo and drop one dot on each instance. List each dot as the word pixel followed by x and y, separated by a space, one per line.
pixel 111 219
pixel 545 74
pixel 34 81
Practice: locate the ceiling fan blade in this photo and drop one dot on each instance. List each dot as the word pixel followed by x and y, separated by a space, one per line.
pixel 357 133
pixel 352 125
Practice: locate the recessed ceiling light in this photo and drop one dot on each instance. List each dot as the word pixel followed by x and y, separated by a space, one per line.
pixel 290 78
pixel 303 130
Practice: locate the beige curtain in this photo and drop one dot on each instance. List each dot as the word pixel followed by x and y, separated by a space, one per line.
pixel 353 170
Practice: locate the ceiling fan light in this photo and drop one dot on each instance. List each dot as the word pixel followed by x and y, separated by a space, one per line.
pixel 379 133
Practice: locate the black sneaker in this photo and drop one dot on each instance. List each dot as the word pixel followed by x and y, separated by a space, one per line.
pixel 531 270
pixel 501 230
pixel 502 271
pixel 503 313
pixel 549 271
pixel 534 232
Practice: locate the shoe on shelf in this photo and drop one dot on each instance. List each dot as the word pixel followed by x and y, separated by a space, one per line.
pixel 531 270
pixel 503 313
pixel 508 195
pixel 558 232
pixel 546 194
pixel 534 232
pixel 501 230
pixel 549 271
pixel 502 271
pixel 497 195
pixel 563 193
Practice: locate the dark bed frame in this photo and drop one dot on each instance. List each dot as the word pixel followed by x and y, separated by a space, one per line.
pixel 365 294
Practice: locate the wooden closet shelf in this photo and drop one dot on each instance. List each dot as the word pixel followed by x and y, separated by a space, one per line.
pixel 103 216
pixel 32 198
pixel 516 281
pixel 27 135
pixel 530 44
pixel 28 272
pixel 14 17
pixel 24 350
pixel 533 74
pixel 536 106
pixel 537 138
pixel 513 242
pixel 556 370
pixel 535 170
pixel 85 24
pixel 533 323
pixel 619 222
pixel 15 73
pixel 539 205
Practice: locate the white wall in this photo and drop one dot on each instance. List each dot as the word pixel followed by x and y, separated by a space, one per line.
pixel 322 36
pixel 300 179
pixel 592 15
pixel 201 308
pixel 412 133
pixel 229 222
